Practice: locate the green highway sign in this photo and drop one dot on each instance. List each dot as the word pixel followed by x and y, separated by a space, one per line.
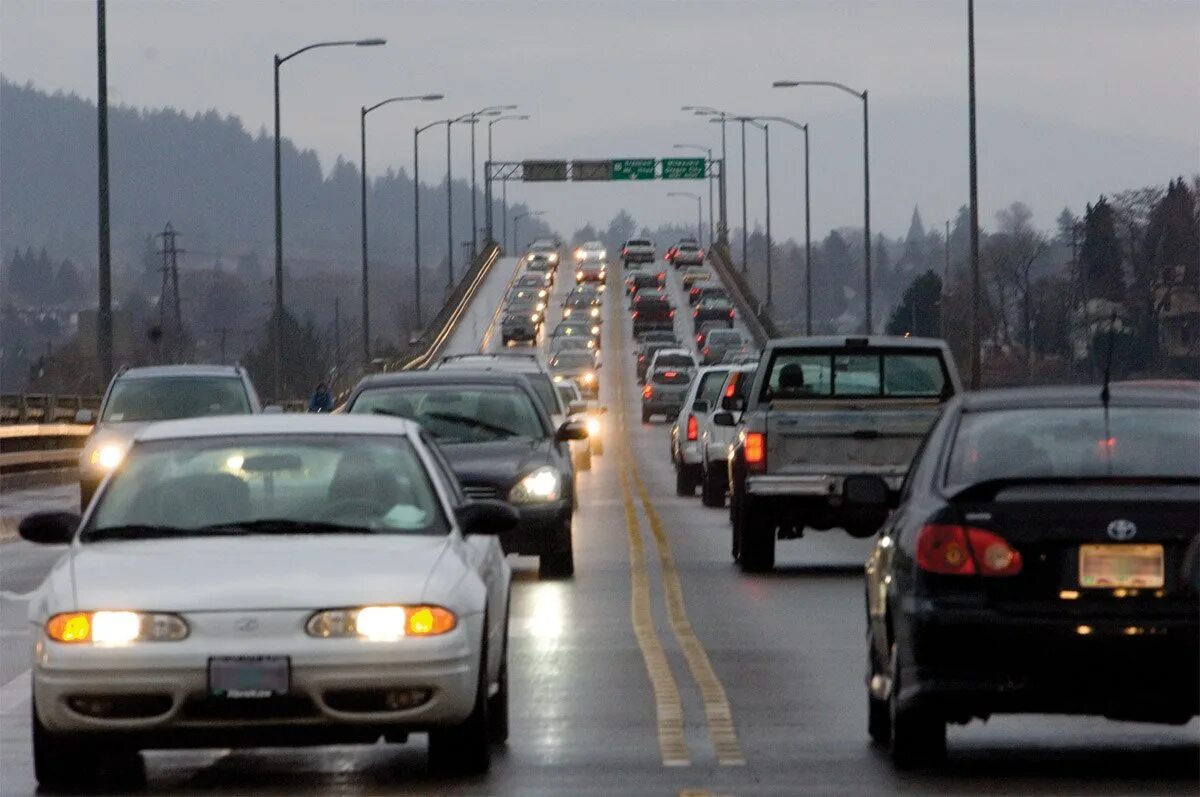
pixel 633 169
pixel 683 168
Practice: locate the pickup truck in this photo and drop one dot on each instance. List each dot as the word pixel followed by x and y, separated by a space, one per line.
pixel 637 250
pixel 818 410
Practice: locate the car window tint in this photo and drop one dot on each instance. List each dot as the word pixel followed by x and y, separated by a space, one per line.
pixel 459 413
pixel 709 388
pixel 168 398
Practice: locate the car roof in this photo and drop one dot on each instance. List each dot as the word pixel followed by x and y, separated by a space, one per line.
pixel 842 341
pixel 1079 396
pixel 684 352
pixel 443 376
pixel 277 423
pixel 198 369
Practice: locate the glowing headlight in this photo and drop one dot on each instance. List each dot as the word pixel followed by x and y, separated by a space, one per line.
pixel 595 330
pixel 381 623
pixel 578 275
pixel 534 317
pixel 595 312
pixel 541 486
pixel 541 293
pixel 108 456
pixel 566 312
pixel 593 426
pixel 591 343
pixel 116 628
pixel 553 257
pixel 579 254
pixel 587 378
pixel 603 253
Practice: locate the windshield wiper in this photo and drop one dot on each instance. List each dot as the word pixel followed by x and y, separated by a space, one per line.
pixel 282 526
pixel 133 531
pixel 473 422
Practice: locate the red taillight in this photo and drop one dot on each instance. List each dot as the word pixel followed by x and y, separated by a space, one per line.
pixel 670 374
pixel 624 252
pixel 662 276
pixel 701 253
pixel 671 314
pixel 635 313
pixel 731 388
pixel 965 551
pixel 693 428
pixel 695 313
pixel 756 451
pixel 641 357
pixel 706 351
pixel 699 338
pixel 731 314
pixel 647 391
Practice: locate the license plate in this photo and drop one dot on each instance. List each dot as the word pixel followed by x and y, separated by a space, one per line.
pixel 1121 566
pixel 249 677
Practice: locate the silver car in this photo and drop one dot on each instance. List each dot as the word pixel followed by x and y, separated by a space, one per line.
pixel 139 396
pixel 693 420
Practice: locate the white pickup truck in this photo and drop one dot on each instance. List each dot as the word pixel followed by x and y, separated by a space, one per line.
pixel 819 410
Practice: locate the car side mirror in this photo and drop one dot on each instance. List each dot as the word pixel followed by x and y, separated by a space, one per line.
pixel 571 430
pixel 723 418
pixel 272 409
pixel 486 516
pixel 49 528
pixel 733 403
pixel 85 417
pixel 577 407
pixel 700 405
pixel 865 490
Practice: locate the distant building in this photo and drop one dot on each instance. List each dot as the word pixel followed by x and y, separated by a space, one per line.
pixel 1177 298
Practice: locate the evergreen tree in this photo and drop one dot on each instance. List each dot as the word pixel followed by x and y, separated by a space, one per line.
pixel 68 285
pixel 919 313
pixel 1100 255
pixel 1172 235
pixel 914 244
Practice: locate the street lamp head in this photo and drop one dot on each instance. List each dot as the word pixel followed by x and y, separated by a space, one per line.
pixel 430 97
pixel 370 42
pixel 785 84
pixel 522 116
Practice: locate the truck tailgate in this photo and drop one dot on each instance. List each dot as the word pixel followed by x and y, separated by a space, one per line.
pixel 808 440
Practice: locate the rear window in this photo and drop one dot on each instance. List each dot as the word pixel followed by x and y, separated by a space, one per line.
pixel 1076 443
pixel 652 303
pixel 638 242
pixel 710 387
pixel 458 413
pixel 809 374
pixel 674 361
pixel 724 337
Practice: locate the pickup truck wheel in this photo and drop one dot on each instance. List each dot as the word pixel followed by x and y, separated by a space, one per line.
pixel 756 539
pixel 685 481
pixel 712 488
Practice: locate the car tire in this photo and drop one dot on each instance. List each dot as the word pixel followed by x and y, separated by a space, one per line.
pixel 498 703
pixel 712 489
pixel 756 539
pixel 645 416
pixel 735 529
pixel 466 748
pixel 65 763
pixel 685 482
pixel 918 735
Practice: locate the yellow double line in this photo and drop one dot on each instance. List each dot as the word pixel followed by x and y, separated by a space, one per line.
pixel 718 714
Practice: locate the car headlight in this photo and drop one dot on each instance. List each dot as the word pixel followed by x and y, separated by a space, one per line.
pixel 595 312
pixel 593 426
pixel 578 275
pixel 587 378
pixel 553 257
pixel 107 456
pixel 579 254
pixel 116 628
pixel 381 623
pixel 541 486
pixel 603 253
pixel 591 343
pixel 534 317
pixel 541 293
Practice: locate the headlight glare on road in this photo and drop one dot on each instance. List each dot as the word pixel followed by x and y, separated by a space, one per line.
pixel 587 377
pixel 382 623
pixel 541 486
pixel 593 426
pixel 108 456
pixel 116 627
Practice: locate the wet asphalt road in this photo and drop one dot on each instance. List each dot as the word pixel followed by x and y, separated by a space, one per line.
pixel 785 658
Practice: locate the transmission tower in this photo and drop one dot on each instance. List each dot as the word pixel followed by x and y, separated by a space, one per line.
pixel 169 306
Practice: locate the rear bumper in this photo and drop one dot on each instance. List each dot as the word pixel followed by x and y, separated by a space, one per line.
pixel 663 406
pixel 818 485
pixel 638 257
pixel 969 663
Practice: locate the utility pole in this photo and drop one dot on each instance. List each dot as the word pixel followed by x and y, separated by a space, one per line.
pixel 745 240
pixel 449 218
pixel 945 285
pixel 104 320
pixel 976 321
pixel 767 147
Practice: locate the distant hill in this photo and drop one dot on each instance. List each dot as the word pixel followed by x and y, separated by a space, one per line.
pixel 210 177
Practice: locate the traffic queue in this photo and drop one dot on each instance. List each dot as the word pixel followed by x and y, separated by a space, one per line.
pixel 1034 550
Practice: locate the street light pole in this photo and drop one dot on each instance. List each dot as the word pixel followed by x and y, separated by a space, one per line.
pixel 745 238
pixel 504 210
pixel 278 325
pixel 976 331
pixel 699 210
pixel 104 324
pixel 862 95
pixel 366 290
pixel 704 110
pixel 767 153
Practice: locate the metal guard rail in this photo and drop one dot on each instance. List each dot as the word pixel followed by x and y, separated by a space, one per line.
pixel 761 326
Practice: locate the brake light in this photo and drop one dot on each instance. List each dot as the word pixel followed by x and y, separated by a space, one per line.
pixel 623 252
pixel 662 276
pixel 701 253
pixel 695 313
pixel 756 451
pixel 648 391
pixel 731 388
pixel 693 428
pixel 706 351
pixel 641 357
pixel 671 314
pixel 699 338
pixel 670 374
pixel 635 313
pixel 964 551
pixel 731 314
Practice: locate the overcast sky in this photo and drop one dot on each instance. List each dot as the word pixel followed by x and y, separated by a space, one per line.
pixel 610 76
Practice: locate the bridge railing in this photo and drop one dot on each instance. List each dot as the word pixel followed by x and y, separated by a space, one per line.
pixel 754 314
pixel 27 408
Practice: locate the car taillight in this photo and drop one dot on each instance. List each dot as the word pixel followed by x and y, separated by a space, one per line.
pixel 662 276
pixel 693 428
pixel 731 388
pixel 701 253
pixel 670 374
pixel 699 338
pixel 641 358
pixel 635 313
pixel 623 252
pixel 965 551
pixel 671 314
pixel 647 391
pixel 695 313
pixel 731 314
pixel 707 351
pixel 756 451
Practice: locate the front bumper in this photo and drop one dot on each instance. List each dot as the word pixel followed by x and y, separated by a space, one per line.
pixel 174 675
pixel 543 528
pixel 974 662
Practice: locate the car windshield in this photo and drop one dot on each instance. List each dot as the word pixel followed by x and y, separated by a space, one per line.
pixel 638 242
pixel 724 337
pixel 1077 442
pixel 166 398
pixel 572 359
pixel 269 484
pixel 806 374
pixel 458 413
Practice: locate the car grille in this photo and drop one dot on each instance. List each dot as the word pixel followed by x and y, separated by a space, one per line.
pixel 479 492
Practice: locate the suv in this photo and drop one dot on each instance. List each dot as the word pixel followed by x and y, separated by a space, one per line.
pixel 667 379
pixel 687 430
pixel 137 397
pixel 652 312
pixel 527 365
pixel 686 253
pixel 501 444
pixel 637 250
pixel 546 249
pixel 820 410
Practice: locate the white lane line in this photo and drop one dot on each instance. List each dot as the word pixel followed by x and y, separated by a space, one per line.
pixel 15 694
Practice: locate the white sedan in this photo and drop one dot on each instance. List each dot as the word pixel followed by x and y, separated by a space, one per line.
pixel 271 580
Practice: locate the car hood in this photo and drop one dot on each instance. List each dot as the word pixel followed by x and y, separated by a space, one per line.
pixel 500 463
pixel 254 572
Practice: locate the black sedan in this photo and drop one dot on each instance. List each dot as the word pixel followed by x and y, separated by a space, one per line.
pixel 1040 561
pixel 712 310
pixel 499 442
